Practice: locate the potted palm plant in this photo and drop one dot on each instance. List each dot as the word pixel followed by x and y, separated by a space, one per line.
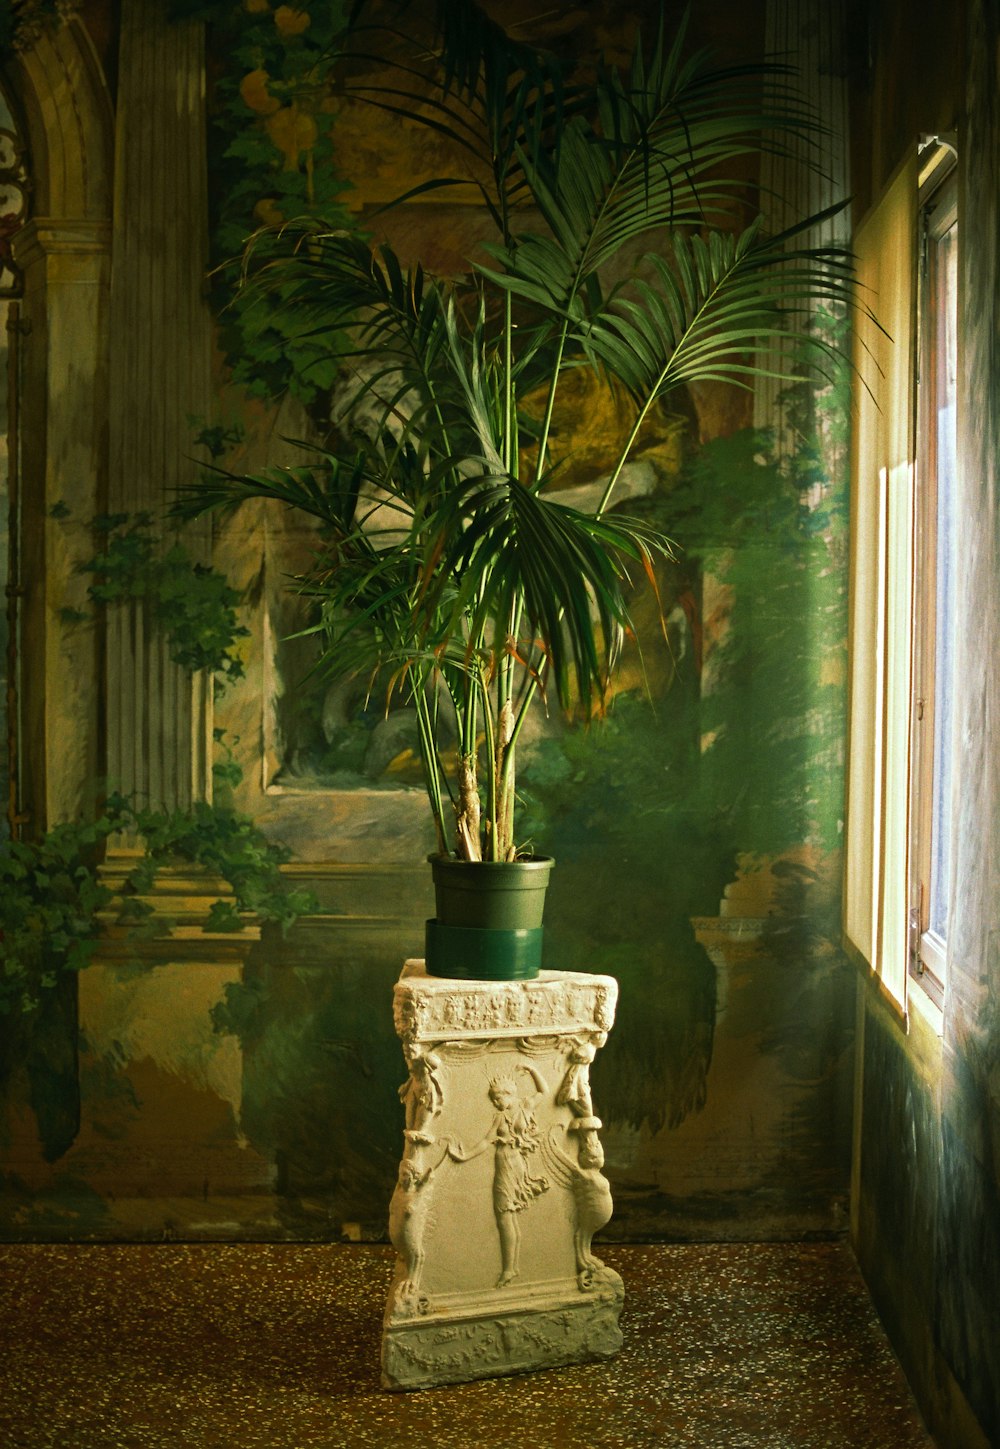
pixel 448 566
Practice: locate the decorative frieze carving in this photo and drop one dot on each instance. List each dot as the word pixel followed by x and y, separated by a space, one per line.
pixel 422 1094
pixel 575 1089
pixel 422 1352
pixel 555 1002
pixel 409 1208
pixel 500 1188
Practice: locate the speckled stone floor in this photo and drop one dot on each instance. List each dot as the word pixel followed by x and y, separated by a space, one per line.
pixel 209 1346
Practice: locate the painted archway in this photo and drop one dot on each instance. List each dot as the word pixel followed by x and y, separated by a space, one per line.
pixel 63 252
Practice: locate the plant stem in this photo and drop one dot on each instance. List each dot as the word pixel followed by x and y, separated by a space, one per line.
pixel 491 756
pixel 509 460
pixel 623 458
pixel 468 809
pixel 432 776
pixel 524 706
pixel 543 441
pixel 503 833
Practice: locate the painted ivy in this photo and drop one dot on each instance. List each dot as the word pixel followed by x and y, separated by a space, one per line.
pixel 193 604
pixel 54 901
pixel 271 159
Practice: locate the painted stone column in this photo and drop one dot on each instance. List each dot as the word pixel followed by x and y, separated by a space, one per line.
pixel 63 387
pixel 500 1187
pixel 159 723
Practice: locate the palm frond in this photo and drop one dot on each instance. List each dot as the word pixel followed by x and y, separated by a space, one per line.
pixel 508 550
pixel 328 491
pixel 664 151
pixel 718 307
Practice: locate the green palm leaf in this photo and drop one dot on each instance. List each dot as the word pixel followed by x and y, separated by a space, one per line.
pixel 338 286
pixel 437 569
pixel 328 491
pixel 660 153
pixel 511 551
pixel 717 311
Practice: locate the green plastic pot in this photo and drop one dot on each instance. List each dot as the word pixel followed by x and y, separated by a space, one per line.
pixel 488 925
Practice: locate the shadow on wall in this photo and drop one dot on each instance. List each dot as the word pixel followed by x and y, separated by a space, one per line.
pixel 739 755
pixel 321 1068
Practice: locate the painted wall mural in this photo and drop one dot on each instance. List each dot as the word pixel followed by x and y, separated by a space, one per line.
pixel 247 1083
pixel 206 1087
pixel 13 210
pixel 726 1088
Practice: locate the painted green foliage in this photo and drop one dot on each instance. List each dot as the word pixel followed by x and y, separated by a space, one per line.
pixel 637 829
pixel 272 158
pixel 740 755
pixel 321 1065
pixel 775 532
pixel 52 895
pixel 192 604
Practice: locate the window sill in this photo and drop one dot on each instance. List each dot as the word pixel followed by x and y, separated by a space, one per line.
pixel 923 1008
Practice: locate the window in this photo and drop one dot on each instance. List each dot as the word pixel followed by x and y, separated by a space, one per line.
pixel 876 827
pixel 934 568
pixel 904 462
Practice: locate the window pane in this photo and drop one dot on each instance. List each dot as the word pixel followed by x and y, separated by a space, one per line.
pixel 944 382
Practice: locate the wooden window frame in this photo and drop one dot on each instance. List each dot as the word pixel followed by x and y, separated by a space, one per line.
pixel 876 843
pixel 938 216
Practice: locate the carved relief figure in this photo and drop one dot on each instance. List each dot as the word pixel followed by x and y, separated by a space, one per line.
pixel 409 1206
pixel 590 1188
pixel 514 1134
pixel 421 1094
pixel 409 1013
pixel 604 1007
pixel 575 1089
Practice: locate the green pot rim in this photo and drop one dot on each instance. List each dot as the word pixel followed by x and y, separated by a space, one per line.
pixel 529 863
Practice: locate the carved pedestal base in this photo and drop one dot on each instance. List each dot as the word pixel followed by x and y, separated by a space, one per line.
pixel 500 1187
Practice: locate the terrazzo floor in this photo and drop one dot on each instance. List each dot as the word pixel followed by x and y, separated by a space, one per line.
pixel 209 1346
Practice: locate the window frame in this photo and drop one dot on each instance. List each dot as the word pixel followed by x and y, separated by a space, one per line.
pixel 892 623
pixel 938 216
pixel 876 827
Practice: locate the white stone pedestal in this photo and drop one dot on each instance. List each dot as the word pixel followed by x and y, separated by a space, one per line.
pixel 500 1187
